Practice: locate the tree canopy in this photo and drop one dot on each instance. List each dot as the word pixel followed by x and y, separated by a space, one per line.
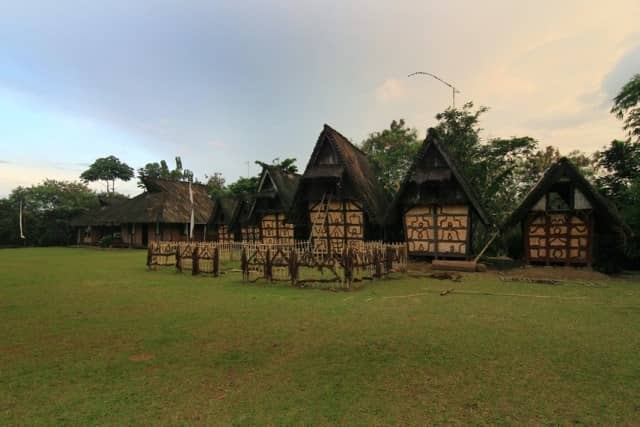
pixel 107 169
pixel 47 209
pixel 161 171
pixel 391 152
pixel 626 106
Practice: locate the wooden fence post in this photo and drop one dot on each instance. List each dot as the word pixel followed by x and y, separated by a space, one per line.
pixel 377 264
pixel 293 266
pixel 268 273
pixel 178 263
pixel 216 262
pixel 348 266
pixel 244 265
pixel 149 257
pixel 195 266
pixel 389 260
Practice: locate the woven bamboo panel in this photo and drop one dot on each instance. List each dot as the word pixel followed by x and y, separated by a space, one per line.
pixel 250 234
pixel 276 230
pixel 224 234
pixel 336 224
pixel 559 238
pixel 437 230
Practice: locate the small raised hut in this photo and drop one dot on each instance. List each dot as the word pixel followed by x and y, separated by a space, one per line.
pixel 339 196
pixel 271 203
pixel 243 223
pixel 222 218
pixel 565 220
pixel 163 212
pixel 435 206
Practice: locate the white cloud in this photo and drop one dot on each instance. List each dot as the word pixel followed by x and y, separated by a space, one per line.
pixel 392 89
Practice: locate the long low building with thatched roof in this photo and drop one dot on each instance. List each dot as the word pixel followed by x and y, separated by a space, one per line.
pixel 163 212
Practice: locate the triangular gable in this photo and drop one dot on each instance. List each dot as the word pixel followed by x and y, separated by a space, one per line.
pixel 436 171
pixel 275 183
pixel 266 182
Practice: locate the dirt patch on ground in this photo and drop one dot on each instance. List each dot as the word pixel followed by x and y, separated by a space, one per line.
pixel 423 269
pixel 141 357
pixel 556 273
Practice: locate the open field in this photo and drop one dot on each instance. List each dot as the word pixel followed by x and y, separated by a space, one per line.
pixel 89 337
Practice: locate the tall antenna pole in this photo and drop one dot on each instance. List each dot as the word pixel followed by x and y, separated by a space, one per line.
pixel 247 162
pixel 453 88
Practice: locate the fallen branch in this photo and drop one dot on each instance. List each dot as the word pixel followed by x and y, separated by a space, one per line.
pixel 452 291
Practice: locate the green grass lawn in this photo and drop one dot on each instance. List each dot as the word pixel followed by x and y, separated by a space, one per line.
pixel 89 337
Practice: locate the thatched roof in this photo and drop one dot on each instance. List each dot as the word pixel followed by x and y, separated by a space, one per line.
pixel 163 202
pixel 242 213
pixel 224 210
pixel 352 166
pixel 563 168
pixel 285 184
pixel 432 141
pixel 276 185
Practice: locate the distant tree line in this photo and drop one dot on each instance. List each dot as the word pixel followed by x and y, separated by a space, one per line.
pixel 500 169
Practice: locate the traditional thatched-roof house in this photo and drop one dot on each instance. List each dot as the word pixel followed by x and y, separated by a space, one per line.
pixel 565 220
pixel 95 224
pixel 435 205
pixel 222 219
pixel 339 195
pixel 270 204
pixel 163 212
pixel 242 222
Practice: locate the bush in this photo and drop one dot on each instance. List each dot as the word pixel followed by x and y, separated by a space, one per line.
pixel 106 242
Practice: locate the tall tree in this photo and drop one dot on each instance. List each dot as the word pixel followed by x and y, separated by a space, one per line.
pixel 626 106
pixel 392 151
pixel 107 169
pixel 215 185
pixel 243 185
pixel 620 162
pixel 161 170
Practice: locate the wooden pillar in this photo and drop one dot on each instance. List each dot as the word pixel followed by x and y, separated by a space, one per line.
pixel 195 260
pixel 547 220
pixel 469 250
pixel 268 273
pixel 436 240
pixel 567 245
pixel 293 266
pixel 244 264
pixel 178 263
pixel 524 226
pixel 216 261
pixel 149 256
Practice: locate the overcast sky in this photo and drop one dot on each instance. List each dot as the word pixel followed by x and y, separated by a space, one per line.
pixel 223 83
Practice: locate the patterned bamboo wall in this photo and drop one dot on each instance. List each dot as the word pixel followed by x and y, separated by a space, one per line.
pixel 250 234
pixel 339 225
pixel 224 234
pixel 437 230
pixel 276 230
pixel 559 238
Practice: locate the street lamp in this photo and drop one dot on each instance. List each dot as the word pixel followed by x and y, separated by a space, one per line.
pixel 454 90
